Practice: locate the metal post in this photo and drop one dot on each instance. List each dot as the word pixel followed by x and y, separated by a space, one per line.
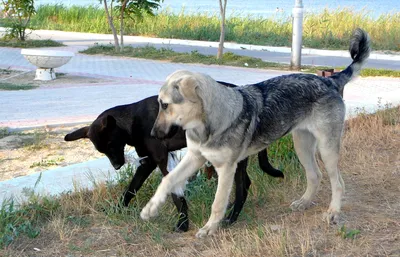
pixel 295 62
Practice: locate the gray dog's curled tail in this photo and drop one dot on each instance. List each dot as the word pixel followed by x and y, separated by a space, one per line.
pixel 360 48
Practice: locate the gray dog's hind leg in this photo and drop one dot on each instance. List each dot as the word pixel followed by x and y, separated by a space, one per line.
pixel 305 146
pixel 329 145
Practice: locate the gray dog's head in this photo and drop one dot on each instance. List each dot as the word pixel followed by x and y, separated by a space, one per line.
pixel 180 101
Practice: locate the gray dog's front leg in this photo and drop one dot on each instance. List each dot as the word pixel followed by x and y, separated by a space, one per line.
pixel 226 174
pixel 189 165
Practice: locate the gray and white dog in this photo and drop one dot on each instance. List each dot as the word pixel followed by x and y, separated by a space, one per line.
pixel 225 125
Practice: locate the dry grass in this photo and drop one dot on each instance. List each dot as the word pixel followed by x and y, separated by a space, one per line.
pixel 370 163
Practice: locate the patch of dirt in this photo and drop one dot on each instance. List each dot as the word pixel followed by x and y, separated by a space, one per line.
pixel 27 78
pixel 37 150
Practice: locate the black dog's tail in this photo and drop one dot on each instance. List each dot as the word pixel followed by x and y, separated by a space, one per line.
pixel 359 51
pixel 265 166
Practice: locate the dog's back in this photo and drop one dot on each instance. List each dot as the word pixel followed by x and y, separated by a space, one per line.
pixel 291 100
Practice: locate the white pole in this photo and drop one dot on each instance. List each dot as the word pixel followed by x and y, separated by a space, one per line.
pixel 295 62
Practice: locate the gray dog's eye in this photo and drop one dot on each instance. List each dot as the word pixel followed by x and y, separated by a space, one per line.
pixel 164 106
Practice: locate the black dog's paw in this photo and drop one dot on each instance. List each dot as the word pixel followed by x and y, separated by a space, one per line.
pixel 226 222
pixel 230 217
pixel 182 226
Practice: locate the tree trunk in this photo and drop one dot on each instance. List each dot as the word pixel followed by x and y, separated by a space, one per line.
pixel 110 22
pixel 122 23
pixel 222 25
pixel 24 27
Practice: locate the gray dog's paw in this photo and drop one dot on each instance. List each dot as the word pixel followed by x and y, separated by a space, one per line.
pixel 207 230
pixel 332 217
pixel 300 205
pixel 148 211
pixel 151 208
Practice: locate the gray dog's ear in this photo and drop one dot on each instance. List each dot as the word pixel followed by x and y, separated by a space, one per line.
pixel 189 87
pixel 77 134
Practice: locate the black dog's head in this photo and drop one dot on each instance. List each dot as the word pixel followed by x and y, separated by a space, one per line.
pixel 106 136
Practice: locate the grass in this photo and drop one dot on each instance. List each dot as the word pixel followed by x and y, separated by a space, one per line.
pixel 150 52
pixel 12 86
pixel 229 58
pixel 369 72
pixel 29 43
pixel 6 74
pixel 47 163
pixel 329 29
pixel 34 141
pixel 85 223
pixel 67 214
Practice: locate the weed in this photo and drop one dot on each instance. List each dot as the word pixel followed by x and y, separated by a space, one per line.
pixel 36 142
pixel 46 163
pixel 24 219
pixel 347 233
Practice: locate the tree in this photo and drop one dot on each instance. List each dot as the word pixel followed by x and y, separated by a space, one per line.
pixel 134 9
pixel 222 8
pixel 18 15
pixel 109 14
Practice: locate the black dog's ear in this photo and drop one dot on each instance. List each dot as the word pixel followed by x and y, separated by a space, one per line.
pixel 227 84
pixel 77 134
pixel 108 122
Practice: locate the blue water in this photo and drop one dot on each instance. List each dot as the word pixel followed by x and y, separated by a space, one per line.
pixel 264 8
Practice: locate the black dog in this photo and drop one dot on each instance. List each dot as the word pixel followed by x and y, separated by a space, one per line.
pixel 131 125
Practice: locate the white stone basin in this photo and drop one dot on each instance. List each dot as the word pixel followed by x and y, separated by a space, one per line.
pixel 46 61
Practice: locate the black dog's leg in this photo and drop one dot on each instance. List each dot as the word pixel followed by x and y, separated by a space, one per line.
pixel 181 205
pixel 179 201
pixel 243 182
pixel 147 165
pixel 264 164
